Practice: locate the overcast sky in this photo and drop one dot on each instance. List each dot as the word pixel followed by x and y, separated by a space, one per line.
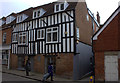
pixel 104 7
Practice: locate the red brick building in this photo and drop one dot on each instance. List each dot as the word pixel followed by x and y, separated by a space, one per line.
pixel 5 39
pixel 106 44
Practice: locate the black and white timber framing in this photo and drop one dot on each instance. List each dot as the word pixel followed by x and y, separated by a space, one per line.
pixel 64 23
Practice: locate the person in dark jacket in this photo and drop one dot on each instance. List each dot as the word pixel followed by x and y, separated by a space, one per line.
pixel 27 67
pixel 50 71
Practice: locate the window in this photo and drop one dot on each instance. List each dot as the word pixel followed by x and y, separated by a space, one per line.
pixel 52 35
pixel 22 38
pixel 40 34
pixel 57 7
pixel 60 6
pixel 4 37
pixel 21 18
pixel 15 37
pixel 5 54
pixel 78 33
pixel 87 17
pixel 34 14
pixel 38 13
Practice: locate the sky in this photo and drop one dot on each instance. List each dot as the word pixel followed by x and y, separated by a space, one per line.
pixel 104 7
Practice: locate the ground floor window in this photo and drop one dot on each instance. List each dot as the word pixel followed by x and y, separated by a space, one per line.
pixel 5 54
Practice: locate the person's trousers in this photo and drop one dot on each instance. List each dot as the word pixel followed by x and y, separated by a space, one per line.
pixel 51 78
pixel 27 73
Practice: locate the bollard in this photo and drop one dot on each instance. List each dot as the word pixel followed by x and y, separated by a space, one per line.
pixel 91 79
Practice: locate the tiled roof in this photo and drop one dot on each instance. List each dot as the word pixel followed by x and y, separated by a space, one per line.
pixel 49 8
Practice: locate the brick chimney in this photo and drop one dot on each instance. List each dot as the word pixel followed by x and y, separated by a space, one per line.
pixel 98 17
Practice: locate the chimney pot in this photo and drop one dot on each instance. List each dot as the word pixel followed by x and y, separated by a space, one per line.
pixel 98 17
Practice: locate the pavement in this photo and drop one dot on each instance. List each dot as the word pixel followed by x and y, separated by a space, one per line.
pixel 36 76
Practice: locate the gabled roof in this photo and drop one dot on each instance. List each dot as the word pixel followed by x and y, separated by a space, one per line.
pixel 27 12
pixel 115 13
pixel 49 8
pixel 92 16
pixel 12 14
pixel 3 19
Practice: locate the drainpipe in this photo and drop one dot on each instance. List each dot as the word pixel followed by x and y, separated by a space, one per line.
pixel 8 60
pixel 92 48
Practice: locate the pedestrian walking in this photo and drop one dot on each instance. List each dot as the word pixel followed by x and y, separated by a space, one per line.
pixel 49 74
pixel 27 67
pixel 50 70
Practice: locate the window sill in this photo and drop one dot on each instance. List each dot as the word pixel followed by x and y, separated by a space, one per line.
pixel 53 42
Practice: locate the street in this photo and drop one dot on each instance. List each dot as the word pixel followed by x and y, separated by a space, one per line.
pixel 10 77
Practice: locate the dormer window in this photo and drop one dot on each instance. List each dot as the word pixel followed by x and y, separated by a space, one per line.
pixel 34 14
pixel 2 22
pixel 21 18
pixel 60 6
pixel 37 13
pixel 10 19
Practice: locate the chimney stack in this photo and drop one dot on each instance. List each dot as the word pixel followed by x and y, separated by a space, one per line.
pixel 98 17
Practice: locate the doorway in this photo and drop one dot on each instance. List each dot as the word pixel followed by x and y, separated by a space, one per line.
pixel 48 60
pixel 111 68
pixel 21 62
pixel 32 63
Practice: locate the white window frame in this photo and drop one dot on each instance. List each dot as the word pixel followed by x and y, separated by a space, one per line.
pixel 59 7
pixel 52 35
pixel 22 34
pixel 41 34
pixel 4 37
pixel 36 13
pixel 65 6
pixel 15 37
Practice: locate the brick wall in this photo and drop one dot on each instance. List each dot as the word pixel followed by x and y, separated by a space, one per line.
pixel 39 65
pixel 99 66
pixel 85 27
pixel 8 35
pixel 13 61
pixel 64 65
pixel 118 18
pixel 108 39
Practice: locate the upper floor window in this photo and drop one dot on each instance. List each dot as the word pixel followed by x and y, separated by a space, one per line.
pixel 4 37
pixel 37 13
pixel 87 17
pixel 22 38
pixel 2 22
pixel 78 35
pixel 60 7
pixel 21 18
pixel 15 37
pixel 40 34
pixel 10 19
pixel 52 35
